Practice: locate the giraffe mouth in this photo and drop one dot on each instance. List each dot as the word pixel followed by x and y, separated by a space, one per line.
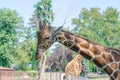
pixel 39 54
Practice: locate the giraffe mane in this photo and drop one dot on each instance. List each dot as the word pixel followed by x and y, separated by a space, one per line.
pixel 114 49
pixel 108 49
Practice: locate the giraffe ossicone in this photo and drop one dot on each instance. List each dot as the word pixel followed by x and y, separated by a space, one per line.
pixel 106 58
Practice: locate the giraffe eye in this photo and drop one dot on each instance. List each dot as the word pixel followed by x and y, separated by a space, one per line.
pixel 47 38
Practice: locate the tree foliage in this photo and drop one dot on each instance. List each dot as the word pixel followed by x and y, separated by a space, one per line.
pixel 99 27
pixel 43 11
pixel 10 25
pixel 16 41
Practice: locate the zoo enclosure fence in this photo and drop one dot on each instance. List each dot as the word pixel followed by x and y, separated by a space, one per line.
pixel 29 75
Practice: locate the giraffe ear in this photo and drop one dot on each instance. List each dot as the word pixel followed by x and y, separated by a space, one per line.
pixel 44 26
pixel 58 29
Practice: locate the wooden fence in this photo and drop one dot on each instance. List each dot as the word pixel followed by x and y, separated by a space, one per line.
pixel 6 73
pixel 54 76
pixel 11 74
pixel 33 76
pixel 29 75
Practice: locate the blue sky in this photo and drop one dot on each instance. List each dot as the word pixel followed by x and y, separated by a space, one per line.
pixel 64 10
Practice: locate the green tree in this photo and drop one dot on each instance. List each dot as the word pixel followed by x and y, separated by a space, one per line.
pixel 99 27
pixel 10 25
pixel 43 10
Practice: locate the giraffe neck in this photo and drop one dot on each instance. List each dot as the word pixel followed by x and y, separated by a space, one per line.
pixel 96 53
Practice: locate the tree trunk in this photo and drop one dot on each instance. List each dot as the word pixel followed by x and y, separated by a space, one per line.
pixel 42 67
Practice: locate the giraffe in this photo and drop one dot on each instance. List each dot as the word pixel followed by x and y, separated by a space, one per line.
pixel 74 67
pixel 105 58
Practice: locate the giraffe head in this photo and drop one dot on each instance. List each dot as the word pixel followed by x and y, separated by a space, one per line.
pixel 78 57
pixel 46 36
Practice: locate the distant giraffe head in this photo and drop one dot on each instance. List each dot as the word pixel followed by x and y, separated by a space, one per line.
pixel 78 58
